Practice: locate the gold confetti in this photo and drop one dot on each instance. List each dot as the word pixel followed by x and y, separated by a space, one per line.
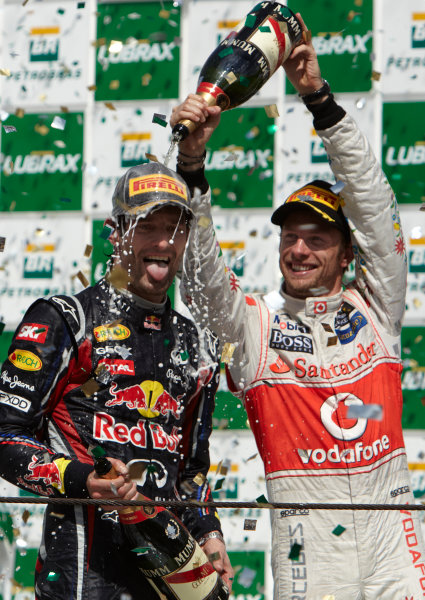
pixel 271 111
pixel 227 352
pixel 89 387
pixel 26 515
pixel 57 515
pixel 250 524
pixel 88 250
pixel 306 36
pixel 327 327
pixel 114 84
pixel 417 303
pixel 146 79
pixel 42 130
pixel 376 75
pixel 251 457
pixel 110 105
pixel 230 77
pixel 19 112
pixel 5 72
pixel 99 42
pixel 332 341
pixel 152 157
pixel 92 88
pixel 352 14
pixel 64 109
pixel 199 479
pixel 118 277
pixel 164 14
pixel 358 2
pixel 83 279
pixel 214 556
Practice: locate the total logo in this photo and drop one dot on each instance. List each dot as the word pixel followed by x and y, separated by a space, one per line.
pixel 104 333
pixel 44 44
pixel 359 453
pixel 418 30
pixel 134 147
pixel 25 360
pixel 149 398
pixel 116 366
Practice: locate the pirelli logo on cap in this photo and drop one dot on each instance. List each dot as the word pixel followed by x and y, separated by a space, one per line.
pixel 156 183
pixel 316 195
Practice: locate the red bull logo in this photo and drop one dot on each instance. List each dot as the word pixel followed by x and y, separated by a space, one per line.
pixel 149 398
pixel 152 322
pixel 47 473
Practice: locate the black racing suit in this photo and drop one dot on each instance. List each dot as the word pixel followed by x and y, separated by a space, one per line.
pixel 100 368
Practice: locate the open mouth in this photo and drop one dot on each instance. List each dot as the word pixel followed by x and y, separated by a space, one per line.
pixel 302 268
pixel 157 266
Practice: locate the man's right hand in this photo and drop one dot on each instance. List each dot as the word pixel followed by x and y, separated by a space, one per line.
pixel 121 487
pixel 196 109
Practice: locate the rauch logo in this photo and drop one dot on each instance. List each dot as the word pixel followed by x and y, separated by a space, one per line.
pixel 134 147
pixel 44 46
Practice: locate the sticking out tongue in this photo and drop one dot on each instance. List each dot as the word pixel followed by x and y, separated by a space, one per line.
pixel 158 269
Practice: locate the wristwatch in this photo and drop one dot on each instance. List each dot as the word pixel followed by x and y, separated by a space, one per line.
pixel 209 536
pixel 325 90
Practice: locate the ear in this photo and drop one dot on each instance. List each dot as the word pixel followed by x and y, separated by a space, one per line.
pixel 347 255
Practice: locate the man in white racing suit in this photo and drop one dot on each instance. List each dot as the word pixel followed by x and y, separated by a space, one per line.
pixel 309 366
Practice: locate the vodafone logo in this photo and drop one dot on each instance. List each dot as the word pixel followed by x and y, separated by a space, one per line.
pixel 327 411
pixel 320 307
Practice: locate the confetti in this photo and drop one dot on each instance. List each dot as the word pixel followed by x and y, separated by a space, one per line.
pixel 2 326
pixel 98 43
pixel 110 105
pixel 106 232
pixel 219 484
pixel 146 79
pixel 26 515
pixel 271 111
pixel 227 352
pixel 89 387
pixel 52 576
pixel 244 81
pixel 376 76
pixel 265 29
pixel 92 88
pixel 81 4
pixel 9 128
pixel 327 327
pixel 164 14
pixel 184 355
pixel 58 123
pixel 88 250
pixel 230 77
pixel 337 187
pixel 225 52
pixel 294 553
pixel 159 119
pixel 246 577
pixel 118 277
pixel 2 243
pixel 339 529
pixel 5 72
pixel 250 524
pixel 19 112
pixel 114 84
pixel 250 21
pixel 261 499
pixel 365 411
pixel 204 221
pixel 306 36
pixel 187 487
pixel 83 279
pixel 152 157
pixel 332 341
pixel 42 130
pixel 251 458
pixel 199 479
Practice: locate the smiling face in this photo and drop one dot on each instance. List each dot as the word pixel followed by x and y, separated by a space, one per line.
pixel 151 251
pixel 313 255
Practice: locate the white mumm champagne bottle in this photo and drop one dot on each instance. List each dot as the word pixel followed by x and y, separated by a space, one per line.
pixel 169 557
pixel 243 61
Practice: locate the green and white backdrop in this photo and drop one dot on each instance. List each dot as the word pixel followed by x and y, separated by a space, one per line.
pixel 79 85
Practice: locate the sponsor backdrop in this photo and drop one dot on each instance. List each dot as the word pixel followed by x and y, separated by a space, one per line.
pixel 86 90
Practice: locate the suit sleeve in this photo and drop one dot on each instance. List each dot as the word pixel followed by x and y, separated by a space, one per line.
pixel 40 359
pixel 193 483
pixel 371 210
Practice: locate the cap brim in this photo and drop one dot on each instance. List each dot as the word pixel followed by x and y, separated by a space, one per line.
pixel 282 212
pixel 149 206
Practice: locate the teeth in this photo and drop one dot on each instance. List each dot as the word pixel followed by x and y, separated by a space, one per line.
pixel 301 268
pixel 158 258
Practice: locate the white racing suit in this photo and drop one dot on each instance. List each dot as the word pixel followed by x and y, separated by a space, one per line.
pixel 298 369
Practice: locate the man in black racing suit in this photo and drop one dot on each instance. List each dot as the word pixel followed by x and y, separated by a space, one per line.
pixel 117 368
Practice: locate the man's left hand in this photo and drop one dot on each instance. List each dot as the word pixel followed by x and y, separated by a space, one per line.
pixel 221 565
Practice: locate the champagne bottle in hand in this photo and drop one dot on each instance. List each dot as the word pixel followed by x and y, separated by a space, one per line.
pixel 169 557
pixel 245 59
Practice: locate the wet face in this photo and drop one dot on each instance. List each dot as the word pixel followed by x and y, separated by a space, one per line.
pixel 313 255
pixel 151 251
